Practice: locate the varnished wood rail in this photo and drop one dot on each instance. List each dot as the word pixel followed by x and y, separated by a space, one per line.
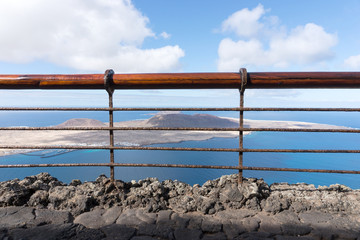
pixel 185 80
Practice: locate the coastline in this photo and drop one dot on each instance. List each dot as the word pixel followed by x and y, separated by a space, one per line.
pixel 133 138
pixel 87 138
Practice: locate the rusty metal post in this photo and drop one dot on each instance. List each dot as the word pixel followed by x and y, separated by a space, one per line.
pixel 108 81
pixel 243 74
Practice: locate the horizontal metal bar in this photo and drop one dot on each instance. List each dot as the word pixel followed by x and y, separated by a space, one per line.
pixel 177 166
pixel 116 128
pixel 230 80
pixel 178 129
pixel 116 165
pixel 301 170
pixel 111 109
pixel 119 148
pixel 301 150
pixel 257 109
pixel 254 109
pixel 52 109
pixel 181 149
pixel 324 130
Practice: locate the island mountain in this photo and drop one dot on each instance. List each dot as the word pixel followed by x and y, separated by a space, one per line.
pixel 82 122
pixel 196 120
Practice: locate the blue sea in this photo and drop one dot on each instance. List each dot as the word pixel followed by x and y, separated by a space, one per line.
pixel 199 176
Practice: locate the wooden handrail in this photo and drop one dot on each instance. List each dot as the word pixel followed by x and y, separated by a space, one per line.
pixel 255 80
pixel 304 80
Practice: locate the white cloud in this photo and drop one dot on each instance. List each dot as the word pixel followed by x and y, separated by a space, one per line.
pixel 90 35
pixel 245 23
pixel 165 35
pixel 132 59
pixel 353 62
pixel 305 44
pixel 275 47
pixel 233 55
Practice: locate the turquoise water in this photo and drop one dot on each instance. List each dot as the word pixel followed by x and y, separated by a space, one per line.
pixel 192 176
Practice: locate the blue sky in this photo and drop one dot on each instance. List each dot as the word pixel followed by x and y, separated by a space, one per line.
pixel 89 36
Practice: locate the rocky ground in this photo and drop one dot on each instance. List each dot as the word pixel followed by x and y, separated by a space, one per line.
pixel 41 207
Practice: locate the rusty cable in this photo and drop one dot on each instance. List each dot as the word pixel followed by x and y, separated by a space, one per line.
pixel 180 149
pixel 177 166
pixel 324 130
pixel 235 109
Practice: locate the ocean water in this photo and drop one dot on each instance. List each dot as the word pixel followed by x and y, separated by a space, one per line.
pixel 199 176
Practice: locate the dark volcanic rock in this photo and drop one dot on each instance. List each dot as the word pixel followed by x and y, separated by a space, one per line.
pixel 18 193
pixel 44 191
pixel 57 231
pixel 149 209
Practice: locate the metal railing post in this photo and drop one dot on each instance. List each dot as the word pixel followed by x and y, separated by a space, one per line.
pixel 108 81
pixel 243 74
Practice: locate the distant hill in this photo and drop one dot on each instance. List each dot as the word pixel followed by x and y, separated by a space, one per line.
pixel 162 120
pixel 184 120
pixel 82 122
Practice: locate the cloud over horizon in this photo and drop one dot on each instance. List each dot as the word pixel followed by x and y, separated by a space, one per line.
pixel 261 42
pixel 89 35
pixel 352 62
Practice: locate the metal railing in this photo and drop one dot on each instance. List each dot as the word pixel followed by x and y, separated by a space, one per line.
pixel 242 80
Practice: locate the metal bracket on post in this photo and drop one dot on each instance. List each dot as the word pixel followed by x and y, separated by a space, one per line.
pixel 243 75
pixel 109 86
pixel 109 81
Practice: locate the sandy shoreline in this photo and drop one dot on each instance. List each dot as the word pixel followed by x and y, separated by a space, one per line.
pixel 101 138
pixel 130 138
